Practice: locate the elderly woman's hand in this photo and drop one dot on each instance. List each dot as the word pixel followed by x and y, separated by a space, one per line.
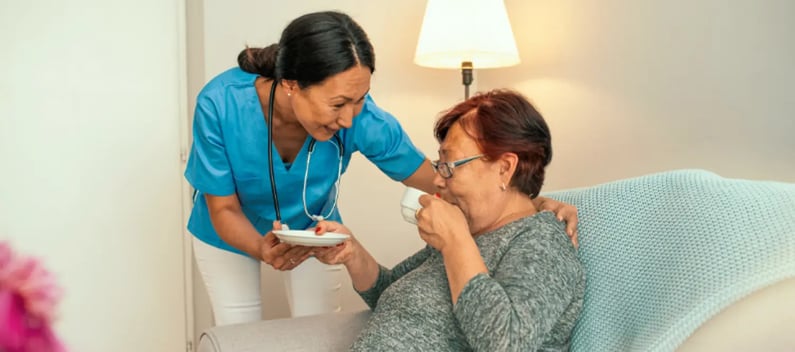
pixel 564 212
pixel 339 254
pixel 441 223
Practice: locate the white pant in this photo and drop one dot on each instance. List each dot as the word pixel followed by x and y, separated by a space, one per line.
pixel 233 285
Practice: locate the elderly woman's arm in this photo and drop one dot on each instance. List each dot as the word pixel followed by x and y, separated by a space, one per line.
pixel 387 276
pixel 369 278
pixel 532 289
pixel 462 262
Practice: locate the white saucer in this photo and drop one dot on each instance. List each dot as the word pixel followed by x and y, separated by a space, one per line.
pixel 309 238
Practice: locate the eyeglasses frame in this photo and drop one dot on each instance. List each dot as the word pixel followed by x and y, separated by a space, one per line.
pixel 451 165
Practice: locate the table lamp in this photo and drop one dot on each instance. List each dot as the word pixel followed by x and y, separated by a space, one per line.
pixel 466 34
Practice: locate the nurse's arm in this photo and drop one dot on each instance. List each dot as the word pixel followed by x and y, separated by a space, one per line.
pixel 233 226
pixel 422 178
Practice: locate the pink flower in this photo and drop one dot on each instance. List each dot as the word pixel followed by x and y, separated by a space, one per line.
pixel 28 296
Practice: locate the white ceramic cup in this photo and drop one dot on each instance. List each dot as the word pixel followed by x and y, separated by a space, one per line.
pixel 410 203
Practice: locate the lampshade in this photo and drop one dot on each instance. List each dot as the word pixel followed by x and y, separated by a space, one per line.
pixel 456 31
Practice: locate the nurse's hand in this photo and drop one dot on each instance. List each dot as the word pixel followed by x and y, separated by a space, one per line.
pixel 564 212
pixel 281 256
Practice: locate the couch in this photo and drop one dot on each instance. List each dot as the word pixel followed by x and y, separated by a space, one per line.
pixel 681 260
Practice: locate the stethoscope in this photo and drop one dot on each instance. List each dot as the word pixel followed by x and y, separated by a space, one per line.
pixel 311 149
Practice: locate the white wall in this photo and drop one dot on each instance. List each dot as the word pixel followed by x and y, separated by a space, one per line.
pixel 631 87
pixel 90 117
pixel 628 88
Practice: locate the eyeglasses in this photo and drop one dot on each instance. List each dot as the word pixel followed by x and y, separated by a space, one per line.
pixel 445 169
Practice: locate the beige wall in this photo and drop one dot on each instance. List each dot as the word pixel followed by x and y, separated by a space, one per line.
pixel 627 87
pixel 632 87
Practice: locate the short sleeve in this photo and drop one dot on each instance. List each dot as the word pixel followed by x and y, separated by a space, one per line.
pixel 208 168
pixel 381 139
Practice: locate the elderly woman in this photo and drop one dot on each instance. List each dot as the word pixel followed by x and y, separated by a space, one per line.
pixel 497 274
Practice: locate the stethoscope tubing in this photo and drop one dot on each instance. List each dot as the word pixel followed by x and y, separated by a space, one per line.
pixel 270 152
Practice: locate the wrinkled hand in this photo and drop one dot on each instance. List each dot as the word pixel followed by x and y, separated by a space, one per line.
pixel 441 223
pixel 339 254
pixel 281 256
pixel 564 212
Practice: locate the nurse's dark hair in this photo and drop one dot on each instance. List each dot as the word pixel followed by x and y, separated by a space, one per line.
pixel 504 121
pixel 312 48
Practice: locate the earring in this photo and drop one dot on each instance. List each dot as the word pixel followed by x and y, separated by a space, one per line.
pixel 502 187
pixel 289 94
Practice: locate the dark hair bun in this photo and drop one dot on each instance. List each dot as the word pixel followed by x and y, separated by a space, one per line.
pixel 261 61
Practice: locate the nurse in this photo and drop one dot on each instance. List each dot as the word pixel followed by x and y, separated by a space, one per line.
pixel 271 139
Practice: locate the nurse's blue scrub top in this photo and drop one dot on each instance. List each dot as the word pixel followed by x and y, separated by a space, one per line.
pixel 230 155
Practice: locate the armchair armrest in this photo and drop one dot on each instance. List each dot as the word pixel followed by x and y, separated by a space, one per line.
pixel 327 332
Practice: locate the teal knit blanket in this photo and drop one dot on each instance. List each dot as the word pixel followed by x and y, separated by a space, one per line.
pixel 665 252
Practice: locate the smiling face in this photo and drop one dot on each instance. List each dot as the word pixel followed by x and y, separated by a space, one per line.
pixel 324 108
pixel 474 185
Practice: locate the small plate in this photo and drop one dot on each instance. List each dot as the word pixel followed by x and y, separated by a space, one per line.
pixel 309 238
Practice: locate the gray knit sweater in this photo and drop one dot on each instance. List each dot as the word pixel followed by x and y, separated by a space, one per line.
pixel 529 301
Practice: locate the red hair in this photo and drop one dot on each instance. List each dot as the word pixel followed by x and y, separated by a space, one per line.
pixel 504 121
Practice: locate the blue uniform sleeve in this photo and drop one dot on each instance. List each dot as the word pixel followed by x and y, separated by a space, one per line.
pixel 208 168
pixel 380 138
